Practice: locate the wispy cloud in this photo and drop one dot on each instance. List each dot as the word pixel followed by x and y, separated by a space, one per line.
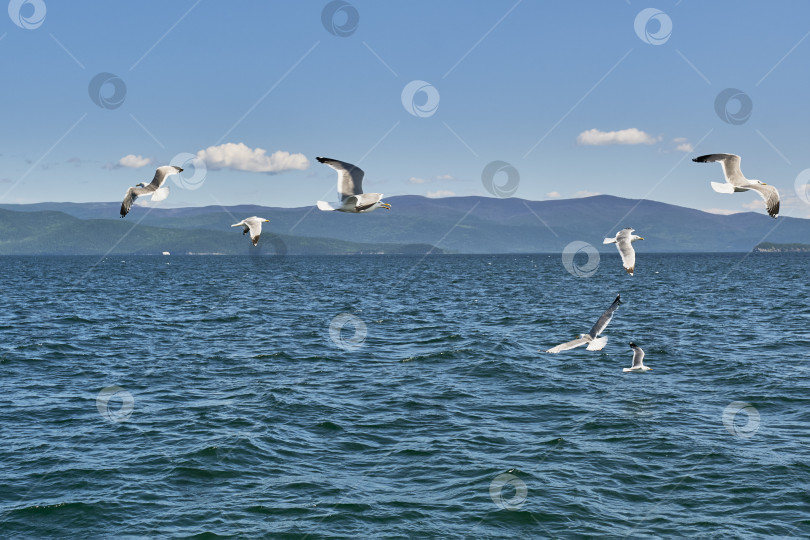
pixel 553 195
pixel 754 206
pixel 683 144
pixel 240 157
pixel 594 137
pixel 131 161
pixel 585 193
pixel 415 180
pixel 721 211
pixel 440 193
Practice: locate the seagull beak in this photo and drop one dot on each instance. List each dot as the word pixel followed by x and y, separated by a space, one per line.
pixel 641 238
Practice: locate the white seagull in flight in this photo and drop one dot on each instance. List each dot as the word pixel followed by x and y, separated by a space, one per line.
pixel 154 188
pixel 736 182
pixel 252 225
pixel 638 361
pixel 350 189
pixel 594 342
pixel 623 240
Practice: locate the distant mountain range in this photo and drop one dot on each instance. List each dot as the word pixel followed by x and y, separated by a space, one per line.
pixel 413 225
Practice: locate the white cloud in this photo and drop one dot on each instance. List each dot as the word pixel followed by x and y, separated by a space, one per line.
pixel 756 205
pixel 683 144
pixel 721 211
pixel 594 137
pixel 445 177
pixel 440 193
pixel 240 157
pixel 585 193
pixel 415 180
pixel 134 162
pixel 553 195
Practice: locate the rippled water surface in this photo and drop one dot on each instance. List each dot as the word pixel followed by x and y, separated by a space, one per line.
pixel 403 396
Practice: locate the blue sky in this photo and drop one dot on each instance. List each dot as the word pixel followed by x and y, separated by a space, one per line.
pixel 255 90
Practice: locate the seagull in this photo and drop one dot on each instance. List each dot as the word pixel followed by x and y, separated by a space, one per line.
pixel 594 343
pixel 623 240
pixel 252 225
pixel 736 182
pixel 350 189
pixel 154 188
pixel 638 361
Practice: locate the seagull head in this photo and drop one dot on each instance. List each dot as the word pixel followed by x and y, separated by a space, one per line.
pixel 178 169
pixel 633 345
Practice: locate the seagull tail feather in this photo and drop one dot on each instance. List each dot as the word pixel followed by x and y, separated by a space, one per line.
pixel 722 187
pixel 598 344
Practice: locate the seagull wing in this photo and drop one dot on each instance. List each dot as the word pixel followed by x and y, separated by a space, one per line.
pixel 770 195
pixel 161 173
pixel 638 357
pixel 625 247
pixel 367 200
pixel 255 226
pixel 132 194
pixel 731 167
pixel 604 320
pixel 350 177
pixel 570 345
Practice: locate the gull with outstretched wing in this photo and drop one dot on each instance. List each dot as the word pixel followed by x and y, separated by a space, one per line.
pixel 595 343
pixel 736 182
pixel 350 190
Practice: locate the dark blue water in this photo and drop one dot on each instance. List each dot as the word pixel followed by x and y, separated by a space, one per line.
pixel 183 396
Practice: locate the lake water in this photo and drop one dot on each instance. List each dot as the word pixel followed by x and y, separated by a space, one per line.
pixel 403 396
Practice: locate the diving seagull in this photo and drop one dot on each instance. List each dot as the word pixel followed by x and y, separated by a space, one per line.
pixel 350 189
pixel 594 342
pixel 736 182
pixel 154 188
pixel 623 240
pixel 638 360
pixel 252 225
